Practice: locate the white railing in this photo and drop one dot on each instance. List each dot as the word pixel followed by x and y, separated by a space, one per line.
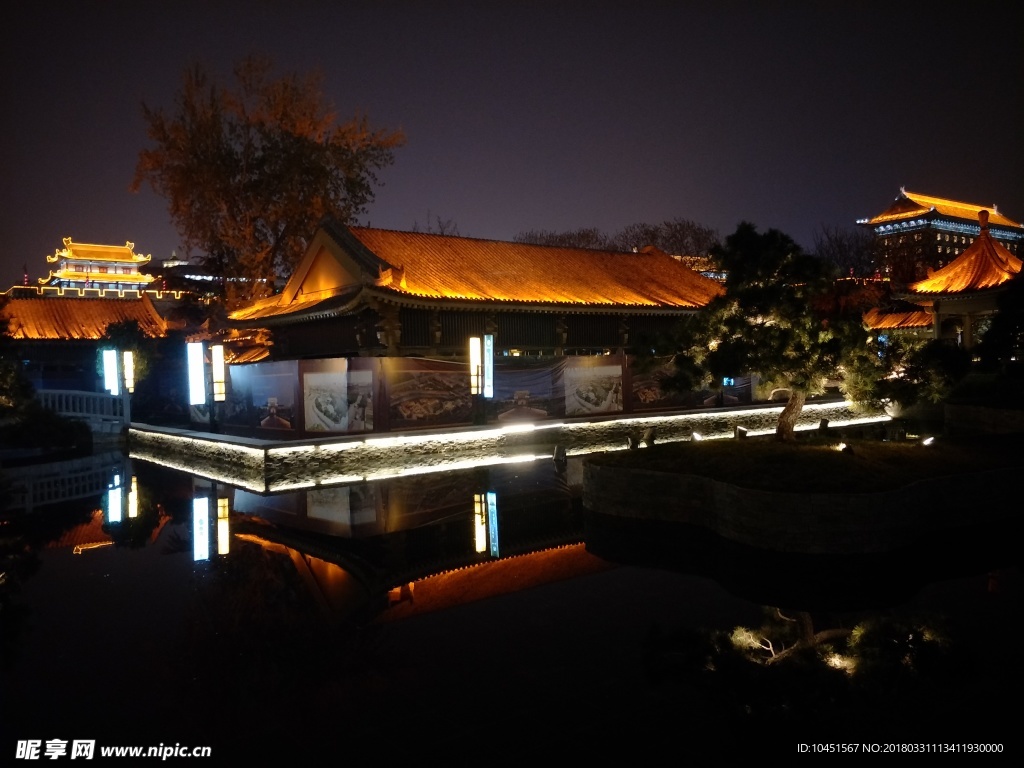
pixel 37 485
pixel 101 411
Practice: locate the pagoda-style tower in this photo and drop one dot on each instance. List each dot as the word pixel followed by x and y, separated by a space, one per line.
pixel 917 233
pixel 115 267
pixel 961 294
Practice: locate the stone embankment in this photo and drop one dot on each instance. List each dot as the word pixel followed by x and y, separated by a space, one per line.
pixel 980 419
pixel 809 523
pixel 267 466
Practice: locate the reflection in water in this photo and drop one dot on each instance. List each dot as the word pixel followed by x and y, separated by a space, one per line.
pixel 385 612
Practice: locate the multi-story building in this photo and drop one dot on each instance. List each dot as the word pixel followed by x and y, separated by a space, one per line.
pixel 112 267
pixel 918 233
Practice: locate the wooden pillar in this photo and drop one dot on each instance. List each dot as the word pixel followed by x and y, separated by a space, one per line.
pixel 389 329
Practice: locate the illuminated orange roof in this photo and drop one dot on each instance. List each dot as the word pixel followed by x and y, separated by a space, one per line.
pixel 985 264
pixel 344 267
pixel 124 254
pixel 437 266
pixel 879 320
pixel 76 318
pixel 910 205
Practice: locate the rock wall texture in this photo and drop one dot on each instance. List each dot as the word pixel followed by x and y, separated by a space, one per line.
pixel 811 523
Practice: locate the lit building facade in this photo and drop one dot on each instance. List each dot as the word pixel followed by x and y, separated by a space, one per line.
pixel 372 333
pixel 918 233
pixel 955 302
pixel 110 267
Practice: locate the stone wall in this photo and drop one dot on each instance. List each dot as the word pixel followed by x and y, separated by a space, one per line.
pixel 963 419
pixel 811 523
pixel 268 466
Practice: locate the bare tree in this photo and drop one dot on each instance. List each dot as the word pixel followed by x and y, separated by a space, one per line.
pixel 249 171
pixel 850 250
pixel 587 237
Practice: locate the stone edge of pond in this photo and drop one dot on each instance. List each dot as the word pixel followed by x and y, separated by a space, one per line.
pixel 801 523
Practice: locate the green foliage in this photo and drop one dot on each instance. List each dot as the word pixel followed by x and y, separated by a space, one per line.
pixel 128 335
pixel 38 427
pixel 250 171
pixel 16 391
pixel 904 371
pixel 780 317
pixel 889 648
pixel 1002 345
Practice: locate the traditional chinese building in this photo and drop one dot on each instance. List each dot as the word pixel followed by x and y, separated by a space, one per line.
pixel 954 302
pixel 366 291
pixel 372 332
pixel 919 232
pixel 111 267
pixel 57 336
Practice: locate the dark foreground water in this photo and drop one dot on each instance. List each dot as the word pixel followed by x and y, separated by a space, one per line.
pixel 479 617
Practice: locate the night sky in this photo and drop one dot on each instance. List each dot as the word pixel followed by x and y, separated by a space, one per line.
pixel 525 116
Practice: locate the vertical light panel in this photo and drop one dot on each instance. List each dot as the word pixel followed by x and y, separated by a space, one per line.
pixel 217 364
pixel 223 532
pixel 492 522
pixel 480 522
pixel 133 498
pixel 110 376
pixel 114 497
pixel 488 365
pixel 196 374
pixel 201 529
pixel 129 371
pixel 475 360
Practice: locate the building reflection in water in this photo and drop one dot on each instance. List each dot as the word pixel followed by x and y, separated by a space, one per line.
pixel 303 597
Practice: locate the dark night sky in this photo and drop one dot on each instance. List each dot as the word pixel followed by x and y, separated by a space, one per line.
pixel 537 115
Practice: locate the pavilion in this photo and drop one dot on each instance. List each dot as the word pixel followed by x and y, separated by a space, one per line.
pixel 951 303
pixel 919 232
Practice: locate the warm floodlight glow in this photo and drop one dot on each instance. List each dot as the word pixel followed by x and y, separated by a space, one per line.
pixel 129 371
pixel 223 532
pixel 133 498
pixel 698 436
pixel 201 529
pixel 217 364
pixel 110 376
pixel 196 374
pixel 480 522
pixel 841 447
pixel 928 440
pixel 475 365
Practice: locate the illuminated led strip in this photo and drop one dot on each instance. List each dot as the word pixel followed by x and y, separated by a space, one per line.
pixel 265 458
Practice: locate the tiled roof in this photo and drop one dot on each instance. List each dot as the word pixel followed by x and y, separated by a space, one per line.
pixel 90 252
pixel 387 264
pixel 442 267
pixel 85 535
pixel 74 318
pixel 985 264
pixel 910 205
pixel 881 320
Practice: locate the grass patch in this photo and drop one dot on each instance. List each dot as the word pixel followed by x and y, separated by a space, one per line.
pixel 814 465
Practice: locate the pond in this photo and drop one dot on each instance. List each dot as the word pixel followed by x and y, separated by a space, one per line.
pixel 470 615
